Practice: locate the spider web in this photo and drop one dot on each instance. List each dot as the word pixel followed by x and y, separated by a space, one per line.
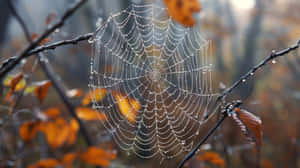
pixel 145 55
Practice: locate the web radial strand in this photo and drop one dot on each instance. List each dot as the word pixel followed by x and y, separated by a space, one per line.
pixel 160 73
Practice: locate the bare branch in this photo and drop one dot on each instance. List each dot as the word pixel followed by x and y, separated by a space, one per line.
pixel 8 66
pixel 59 88
pixel 251 72
pixel 264 62
pixel 19 19
pixel 203 140
pixel 53 46
pixel 50 74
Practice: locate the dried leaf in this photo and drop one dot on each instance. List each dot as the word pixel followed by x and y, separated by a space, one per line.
pixel 128 106
pixel 42 88
pixel 73 129
pixel 97 95
pixel 182 10
pixel 50 17
pixel 86 113
pixel 14 85
pixel 20 85
pixel 97 156
pixel 35 36
pixel 52 113
pixel 68 159
pixel 212 157
pixel 28 130
pixel 74 93
pixel 250 125
pixel 55 128
pixel 45 163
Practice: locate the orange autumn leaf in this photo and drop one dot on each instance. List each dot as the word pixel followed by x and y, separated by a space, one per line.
pixel 28 130
pixel 250 124
pixel 52 113
pixel 86 113
pixel 68 159
pixel 182 10
pixel 127 106
pixel 55 128
pixel 35 36
pixel 74 93
pixel 45 40
pixel 73 129
pixel 45 163
pixel 42 88
pixel 97 95
pixel 97 156
pixel 213 158
pixel 14 85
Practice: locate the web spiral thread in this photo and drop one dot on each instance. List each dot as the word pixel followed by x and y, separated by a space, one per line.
pixel 145 60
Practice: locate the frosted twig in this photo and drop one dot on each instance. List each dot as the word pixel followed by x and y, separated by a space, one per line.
pixel 50 74
pixel 8 66
pixel 271 57
pixel 53 46
pixel 264 62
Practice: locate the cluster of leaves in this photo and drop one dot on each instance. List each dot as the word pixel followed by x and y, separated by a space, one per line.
pixel 51 122
pixel 93 155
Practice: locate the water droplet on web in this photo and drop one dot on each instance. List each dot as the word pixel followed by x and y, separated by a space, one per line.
pixel 251 73
pixel 244 80
pixel 148 76
pixel 99 22
pixel 274 61
pixel 91 40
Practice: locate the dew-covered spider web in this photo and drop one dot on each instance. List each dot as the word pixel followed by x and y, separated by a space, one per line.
pixel 157 78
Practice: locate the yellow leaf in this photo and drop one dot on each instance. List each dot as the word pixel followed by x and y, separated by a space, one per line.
pixel 30 89
pixel 182 10
pixel 127 106
pixel 7 80
pixel 86 113
pixel 13 83
pixel 97 95
pixel 21 85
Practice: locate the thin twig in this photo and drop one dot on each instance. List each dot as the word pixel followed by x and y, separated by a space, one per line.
pixel 5 68
pixel 19 19
pixel 251 72
pixel 57 86
pixel 53 46
pixel 51 75
pixel 210 132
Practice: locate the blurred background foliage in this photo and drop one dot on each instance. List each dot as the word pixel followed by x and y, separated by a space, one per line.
pixel 242 32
